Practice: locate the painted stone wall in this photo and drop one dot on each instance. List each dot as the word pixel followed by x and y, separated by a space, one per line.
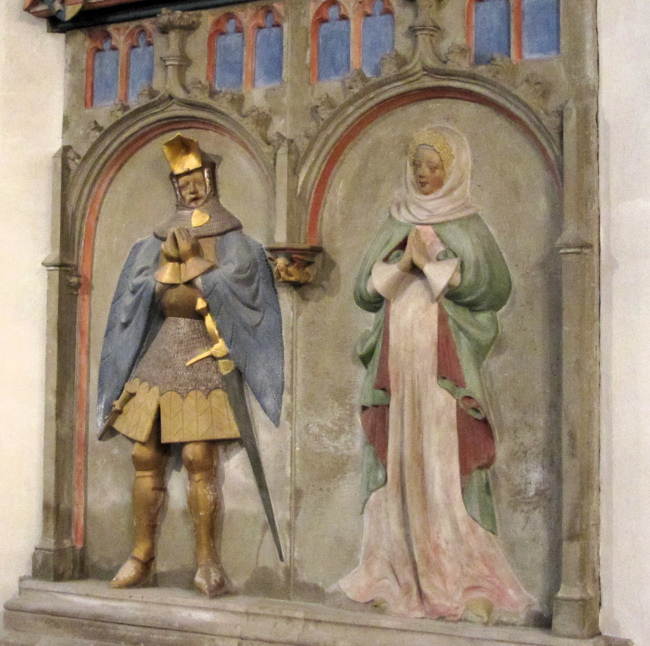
pixel 626 602
pixel 313 460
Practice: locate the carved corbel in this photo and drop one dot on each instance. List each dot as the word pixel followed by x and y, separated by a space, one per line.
pixel 293 263
pixel 177 25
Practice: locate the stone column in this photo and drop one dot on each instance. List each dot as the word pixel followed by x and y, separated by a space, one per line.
pixel 576 606
pixel 57 557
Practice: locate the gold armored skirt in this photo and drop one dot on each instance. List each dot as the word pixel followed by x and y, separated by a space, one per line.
pixel 189 401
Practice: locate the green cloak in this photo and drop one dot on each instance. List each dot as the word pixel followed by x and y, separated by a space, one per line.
pixel 471 308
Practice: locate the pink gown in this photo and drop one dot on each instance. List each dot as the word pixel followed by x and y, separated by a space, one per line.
pixel 422 554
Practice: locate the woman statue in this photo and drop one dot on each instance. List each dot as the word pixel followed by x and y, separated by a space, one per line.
pixel 435 277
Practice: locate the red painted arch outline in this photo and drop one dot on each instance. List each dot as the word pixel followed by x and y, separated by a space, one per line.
pixel 353 131
pixel 83 321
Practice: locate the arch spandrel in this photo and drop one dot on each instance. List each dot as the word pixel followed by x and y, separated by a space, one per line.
pixel 383 97
pixel 120 141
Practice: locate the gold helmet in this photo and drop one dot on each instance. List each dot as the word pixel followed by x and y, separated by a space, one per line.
pixel 185 156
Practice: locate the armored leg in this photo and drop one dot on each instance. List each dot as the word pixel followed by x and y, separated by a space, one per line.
pixel 150 462
pixel 199 460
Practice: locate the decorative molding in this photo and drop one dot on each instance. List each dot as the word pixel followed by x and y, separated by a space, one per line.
pixel 74 610
pixel 146 94
pixel 72 158
pixel 123 40
pixel 354 82
pixel 169 22
pixel 197 89
pixel 218 28
pixel 320 16
pixel 74 281
pixel 257 22
pixel 257 122
pixel 458 56
pixel 392 63
pixel 119 109
pixel 95 43
pixel 362 9
pixel 323 107
pixel 429 34
pixel 93 130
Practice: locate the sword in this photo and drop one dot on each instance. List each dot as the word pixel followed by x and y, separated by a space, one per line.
pixel 234 387
pixel 233 384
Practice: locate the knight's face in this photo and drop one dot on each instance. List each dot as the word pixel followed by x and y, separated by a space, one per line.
pixel 193 188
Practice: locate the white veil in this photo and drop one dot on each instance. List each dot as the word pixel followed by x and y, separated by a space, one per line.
pixel 453 201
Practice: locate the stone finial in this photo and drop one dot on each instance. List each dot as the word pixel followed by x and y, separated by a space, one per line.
pixel 429 33
pixel 170 21
pixel 177 25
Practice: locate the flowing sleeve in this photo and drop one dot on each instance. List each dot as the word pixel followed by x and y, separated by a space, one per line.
pixel 243 300
pixel 485 279
pixel 132 318
pixel 388 237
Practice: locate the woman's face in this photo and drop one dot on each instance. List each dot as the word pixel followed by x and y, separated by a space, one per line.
pixel 428 170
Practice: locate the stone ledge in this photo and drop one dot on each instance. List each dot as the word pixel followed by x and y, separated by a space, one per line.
pixel 90 610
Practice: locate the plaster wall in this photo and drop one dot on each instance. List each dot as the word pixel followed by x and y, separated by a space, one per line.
pixel 624 29
pixel 31 104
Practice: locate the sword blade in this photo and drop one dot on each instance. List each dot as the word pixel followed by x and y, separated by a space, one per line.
pixel 234 387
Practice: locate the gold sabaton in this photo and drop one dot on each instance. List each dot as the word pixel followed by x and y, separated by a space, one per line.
pixel 199 218
pixel 183 154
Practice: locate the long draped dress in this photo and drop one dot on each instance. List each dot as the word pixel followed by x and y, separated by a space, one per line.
pixel 422 553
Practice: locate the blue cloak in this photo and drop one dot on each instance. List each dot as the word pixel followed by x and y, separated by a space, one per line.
pixel 242 299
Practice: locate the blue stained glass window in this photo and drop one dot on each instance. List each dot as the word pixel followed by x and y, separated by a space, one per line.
pixel 541 28
pixel 229 70
pixel 105 75
pixel 268 54
pixel 140 67
pixel 334 46
pixel 378 39
pixel 491 29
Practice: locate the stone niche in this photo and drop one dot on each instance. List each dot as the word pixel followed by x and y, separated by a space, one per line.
pixel 310 167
